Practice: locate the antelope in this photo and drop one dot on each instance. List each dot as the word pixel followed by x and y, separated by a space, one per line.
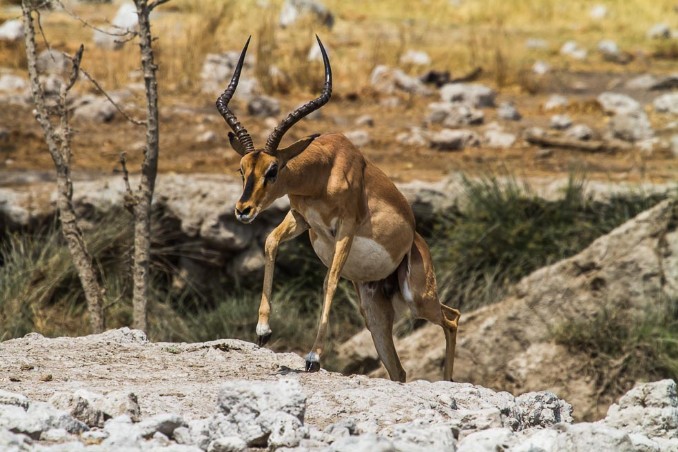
pixel 360 225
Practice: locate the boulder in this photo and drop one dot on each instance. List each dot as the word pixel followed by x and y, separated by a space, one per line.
pixel 12 83
pixel 11 30
pixel 666 103
pixel 475 95
pixel 95 108
pixel 453 140
pixel 498 139
pixel 616 103
pixel 508 112
pixel 633 126
pixel 454 115
pixel 51 61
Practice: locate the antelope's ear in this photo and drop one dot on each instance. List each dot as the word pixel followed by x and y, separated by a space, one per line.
pixel 236 145
pixel 295 149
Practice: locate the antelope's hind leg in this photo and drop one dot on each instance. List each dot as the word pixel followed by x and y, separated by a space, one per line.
pixel 418 287
pixel 377 309
pixel 292 226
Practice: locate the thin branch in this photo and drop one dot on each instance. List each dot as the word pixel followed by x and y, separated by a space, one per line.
pixel 123 32
pixel 75 69
pixel 152 6
pixel 136 122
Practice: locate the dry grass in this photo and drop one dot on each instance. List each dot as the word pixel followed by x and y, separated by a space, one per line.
pixel 487 33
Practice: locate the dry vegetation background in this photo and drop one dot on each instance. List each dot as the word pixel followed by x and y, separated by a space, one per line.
pixel 458 36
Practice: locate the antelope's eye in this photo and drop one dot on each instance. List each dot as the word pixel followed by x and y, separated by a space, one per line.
pixel 272 172
pixel 241 173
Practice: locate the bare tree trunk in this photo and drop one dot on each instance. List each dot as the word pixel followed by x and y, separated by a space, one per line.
pixel 149 168
pixel 58 143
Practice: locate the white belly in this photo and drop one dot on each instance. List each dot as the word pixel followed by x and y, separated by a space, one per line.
pixel 367 260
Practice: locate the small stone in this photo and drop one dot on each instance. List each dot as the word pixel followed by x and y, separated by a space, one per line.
pixel 572 49
pixel 608 48
pixel 598 12
pixel 508 112
pixel 560 122
pixel 659 31
pixel 365 121
pixel 644 81
pixel 580 132
pixel 499 140
pixel 415 57
pixel 541 67
pixel 359 138
pixel 207 137
pixel 46 377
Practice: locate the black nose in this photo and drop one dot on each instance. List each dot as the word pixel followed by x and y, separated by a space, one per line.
pixel 244 211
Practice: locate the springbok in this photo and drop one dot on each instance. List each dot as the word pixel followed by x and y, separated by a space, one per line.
pixel 361 227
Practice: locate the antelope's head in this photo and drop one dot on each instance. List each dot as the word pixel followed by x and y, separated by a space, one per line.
pixel 260 168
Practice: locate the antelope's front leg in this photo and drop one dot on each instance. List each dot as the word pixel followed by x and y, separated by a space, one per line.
pixel 292 225
pixel 345 234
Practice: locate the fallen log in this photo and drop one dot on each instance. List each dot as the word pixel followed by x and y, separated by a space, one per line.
pixel 560 141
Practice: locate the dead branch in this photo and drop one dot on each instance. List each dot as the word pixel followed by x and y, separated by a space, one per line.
pixel 68 11
pixel 134 121
pixel 471 76
pixel 559 141
pixel 58 144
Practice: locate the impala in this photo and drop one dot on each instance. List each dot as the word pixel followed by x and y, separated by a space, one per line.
pixel 361 227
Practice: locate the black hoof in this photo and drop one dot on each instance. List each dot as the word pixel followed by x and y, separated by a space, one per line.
pixel 263 340
pixel 312 366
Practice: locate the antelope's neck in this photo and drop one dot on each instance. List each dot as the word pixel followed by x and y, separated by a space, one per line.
pixel 305 176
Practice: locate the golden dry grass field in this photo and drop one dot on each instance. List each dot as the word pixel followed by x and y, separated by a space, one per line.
pixel 457 35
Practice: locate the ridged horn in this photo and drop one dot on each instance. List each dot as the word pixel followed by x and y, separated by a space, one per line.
pixel 223 100
pixel 278 133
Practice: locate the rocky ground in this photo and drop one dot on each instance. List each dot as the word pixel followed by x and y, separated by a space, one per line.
pixel 117 391
pixel 510 344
